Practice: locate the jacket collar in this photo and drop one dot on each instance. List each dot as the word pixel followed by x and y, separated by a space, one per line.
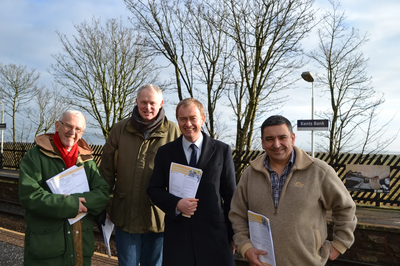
pixel 303 161
pixel 207 150
pixel 45 142
pixel 160 131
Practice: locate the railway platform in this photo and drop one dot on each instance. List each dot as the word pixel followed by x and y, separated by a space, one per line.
pixel 370 219
pixel 377 234
pixel 12 247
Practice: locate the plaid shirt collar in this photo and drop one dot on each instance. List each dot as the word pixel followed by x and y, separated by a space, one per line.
pixel 287 167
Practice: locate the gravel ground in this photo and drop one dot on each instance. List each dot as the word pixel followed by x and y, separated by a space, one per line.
pixel 11 255
pixel 17 223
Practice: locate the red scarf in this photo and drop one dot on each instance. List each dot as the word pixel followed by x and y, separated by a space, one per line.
pixel 68 157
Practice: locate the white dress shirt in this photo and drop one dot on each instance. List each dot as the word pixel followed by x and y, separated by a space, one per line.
pixel 188 150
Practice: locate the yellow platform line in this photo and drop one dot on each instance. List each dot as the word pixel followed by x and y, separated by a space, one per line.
pixel 22 234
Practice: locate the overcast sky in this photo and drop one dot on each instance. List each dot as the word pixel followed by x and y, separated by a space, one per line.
pixel 28 37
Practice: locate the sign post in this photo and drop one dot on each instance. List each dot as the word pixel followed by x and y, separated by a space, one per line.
pixel 2 128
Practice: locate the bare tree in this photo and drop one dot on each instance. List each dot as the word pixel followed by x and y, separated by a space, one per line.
pixel 18 86
pixel 49 105
pixel 23 133
pixel 213 64
pixel 193 41
pixel 164 22
pixel 267 36
pixel 101 68
pixel 353 101
pixel 248 47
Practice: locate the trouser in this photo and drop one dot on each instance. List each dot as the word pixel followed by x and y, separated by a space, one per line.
pixel 133 249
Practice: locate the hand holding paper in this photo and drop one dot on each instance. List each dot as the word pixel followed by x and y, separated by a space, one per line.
pixel 73 180
pixel 82 208
pixel 187 206
pixel 261 239
pixel 252 256
pixel 184 182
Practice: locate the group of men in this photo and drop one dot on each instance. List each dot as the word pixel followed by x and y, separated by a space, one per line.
pixel 153 226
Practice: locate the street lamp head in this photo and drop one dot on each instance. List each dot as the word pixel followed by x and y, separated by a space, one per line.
pixel 307 76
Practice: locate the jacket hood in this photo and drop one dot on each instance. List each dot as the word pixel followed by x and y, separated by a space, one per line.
pixel 45 142
pixel 303 160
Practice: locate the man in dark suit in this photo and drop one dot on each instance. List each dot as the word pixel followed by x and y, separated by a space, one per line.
pixel 205 238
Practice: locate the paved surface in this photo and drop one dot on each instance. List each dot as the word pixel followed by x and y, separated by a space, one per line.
pixel 12 251
pixel 11 254
pixel 11 243
pixel 378 218
pixel 12 248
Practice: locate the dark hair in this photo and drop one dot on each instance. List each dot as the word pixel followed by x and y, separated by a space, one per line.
pixel 276 120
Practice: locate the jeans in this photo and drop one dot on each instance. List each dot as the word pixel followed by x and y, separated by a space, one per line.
pixel 133 249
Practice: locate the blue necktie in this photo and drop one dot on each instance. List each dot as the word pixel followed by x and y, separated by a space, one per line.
pixel 193 156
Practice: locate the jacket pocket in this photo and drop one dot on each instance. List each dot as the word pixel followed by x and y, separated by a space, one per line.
pixel 87 237
pixel 46 241
pixel 118 209
pixel 322 249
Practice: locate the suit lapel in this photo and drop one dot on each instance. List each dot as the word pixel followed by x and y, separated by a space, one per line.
pixel 207 151
pixel 180 156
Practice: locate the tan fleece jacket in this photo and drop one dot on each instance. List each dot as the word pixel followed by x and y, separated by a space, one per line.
pixel 298 224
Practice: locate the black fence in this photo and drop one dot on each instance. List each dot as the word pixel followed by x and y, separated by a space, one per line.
pixel 391 199
pixel 13 153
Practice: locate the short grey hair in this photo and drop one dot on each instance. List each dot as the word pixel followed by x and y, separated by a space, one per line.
pixel 151 86
pixel 72 112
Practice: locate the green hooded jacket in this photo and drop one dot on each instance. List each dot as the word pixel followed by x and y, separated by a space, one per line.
pixel 49 238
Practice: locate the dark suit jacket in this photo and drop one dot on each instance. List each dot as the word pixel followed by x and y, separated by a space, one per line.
pixel 204 239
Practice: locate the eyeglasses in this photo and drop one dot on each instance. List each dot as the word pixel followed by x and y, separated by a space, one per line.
pixel 70 128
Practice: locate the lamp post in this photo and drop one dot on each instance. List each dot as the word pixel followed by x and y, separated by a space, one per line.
pixel 307 76
pixel 2 134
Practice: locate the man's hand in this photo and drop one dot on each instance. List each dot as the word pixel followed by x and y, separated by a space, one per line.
pixel 252 256
pixel 82 207
pixel 187 206
pixel 334 253
pixel 233 247
pixel 100 219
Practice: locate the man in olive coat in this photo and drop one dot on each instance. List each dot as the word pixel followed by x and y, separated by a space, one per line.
pixel 127 164
pixel 204 239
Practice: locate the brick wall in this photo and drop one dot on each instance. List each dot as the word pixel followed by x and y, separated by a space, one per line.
pixel 374 245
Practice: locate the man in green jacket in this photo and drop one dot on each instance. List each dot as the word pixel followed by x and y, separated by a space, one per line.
pixel 294 191
pixel 50 239
pixel 127 165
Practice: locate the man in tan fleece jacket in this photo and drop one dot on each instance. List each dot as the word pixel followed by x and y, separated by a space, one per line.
pixel 294 191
